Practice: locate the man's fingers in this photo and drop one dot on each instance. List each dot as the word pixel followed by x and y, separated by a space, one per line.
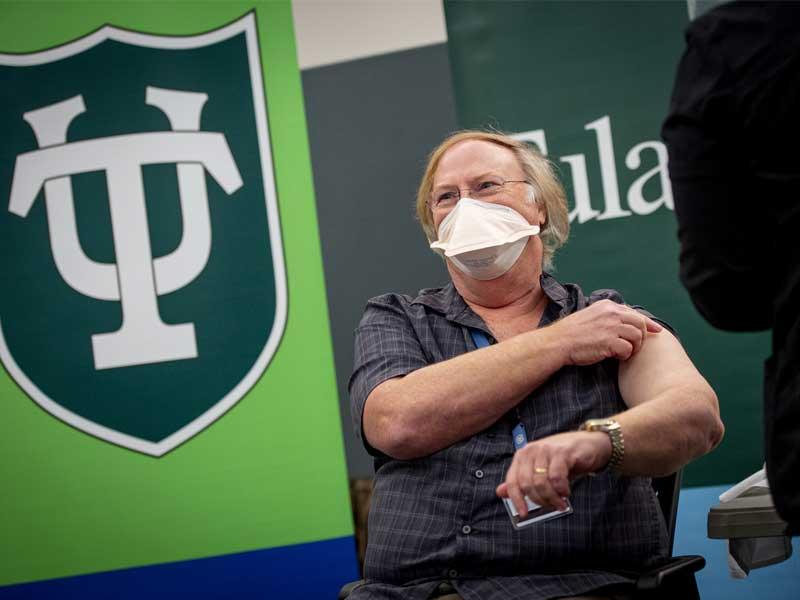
pixel 543 492
pixel 633 335
pixel 652 326
pixel 622 349
pixel 517 499
pixel 634 330
pixel 526 481
pixel 640 321
pixel 539 472
pixel 559 478
pixel 515 494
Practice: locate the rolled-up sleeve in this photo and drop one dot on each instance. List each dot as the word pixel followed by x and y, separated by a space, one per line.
pixel 386 346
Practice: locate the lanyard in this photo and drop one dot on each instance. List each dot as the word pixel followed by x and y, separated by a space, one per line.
pixel 518 434
pixel 480 338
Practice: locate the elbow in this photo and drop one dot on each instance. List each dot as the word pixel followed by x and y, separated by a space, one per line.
pixel 701 437
pixel 716 432
pixel 389 430
pixel 714 428
pixel 701 424
pixel 394 438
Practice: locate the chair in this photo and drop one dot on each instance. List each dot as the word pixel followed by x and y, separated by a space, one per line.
pixel 672 579
pixel 675 577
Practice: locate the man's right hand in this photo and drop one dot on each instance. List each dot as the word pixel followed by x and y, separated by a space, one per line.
pixel 603 330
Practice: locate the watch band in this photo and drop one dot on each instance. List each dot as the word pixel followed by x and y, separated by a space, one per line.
pixel 614 431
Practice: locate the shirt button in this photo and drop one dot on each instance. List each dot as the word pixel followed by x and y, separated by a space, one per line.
pixel 452 573
pixel 466 530
pixel 479 474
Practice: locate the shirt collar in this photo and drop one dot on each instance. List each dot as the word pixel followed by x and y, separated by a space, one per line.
pixel 448 301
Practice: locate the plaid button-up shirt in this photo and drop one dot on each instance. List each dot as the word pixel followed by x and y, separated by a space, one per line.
pixel 437 518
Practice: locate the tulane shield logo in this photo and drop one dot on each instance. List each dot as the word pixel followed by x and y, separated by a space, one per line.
pixel 143 286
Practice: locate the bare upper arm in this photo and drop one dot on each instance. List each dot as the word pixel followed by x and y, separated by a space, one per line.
pixel 660 366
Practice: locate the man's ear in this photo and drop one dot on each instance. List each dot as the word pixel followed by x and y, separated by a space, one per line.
pixel 542 212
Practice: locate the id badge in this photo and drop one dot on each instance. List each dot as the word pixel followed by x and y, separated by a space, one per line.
pixel 536 513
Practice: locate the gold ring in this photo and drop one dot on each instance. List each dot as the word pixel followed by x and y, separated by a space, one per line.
pixel 540 470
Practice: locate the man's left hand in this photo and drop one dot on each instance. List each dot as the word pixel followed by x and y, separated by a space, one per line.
pixel 543 469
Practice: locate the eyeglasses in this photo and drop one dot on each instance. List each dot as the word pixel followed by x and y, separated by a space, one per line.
pixel 485 189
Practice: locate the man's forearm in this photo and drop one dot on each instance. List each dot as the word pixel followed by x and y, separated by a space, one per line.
pixel 673 417
pixel 660 436
pixel 438 405
pixel 665 433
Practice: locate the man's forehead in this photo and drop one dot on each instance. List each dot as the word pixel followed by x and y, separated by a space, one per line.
pixel 471 158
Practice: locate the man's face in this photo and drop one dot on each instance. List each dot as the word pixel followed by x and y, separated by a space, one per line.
pixel 468 163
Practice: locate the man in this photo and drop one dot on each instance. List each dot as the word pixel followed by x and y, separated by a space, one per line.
pixel 442 418
pixel 732 137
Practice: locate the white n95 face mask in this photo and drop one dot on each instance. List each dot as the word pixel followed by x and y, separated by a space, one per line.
pixel 482 239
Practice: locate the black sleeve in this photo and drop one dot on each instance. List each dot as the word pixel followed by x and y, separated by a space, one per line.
pixel 721 201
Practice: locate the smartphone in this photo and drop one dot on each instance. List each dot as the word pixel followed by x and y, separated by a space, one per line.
pixel 536 513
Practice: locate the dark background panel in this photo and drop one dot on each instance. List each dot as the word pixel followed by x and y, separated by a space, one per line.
pixel 371 124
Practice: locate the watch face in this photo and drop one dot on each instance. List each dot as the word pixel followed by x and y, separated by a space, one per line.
pixel 601 425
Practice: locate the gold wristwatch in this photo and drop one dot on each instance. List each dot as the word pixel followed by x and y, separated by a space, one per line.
pixel 614 431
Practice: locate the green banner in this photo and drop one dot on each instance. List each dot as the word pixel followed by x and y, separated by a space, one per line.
pixel 168 389
pixel 589 84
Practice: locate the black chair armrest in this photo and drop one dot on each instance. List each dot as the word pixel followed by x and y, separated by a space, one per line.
pixel 677 566
pixel 349 587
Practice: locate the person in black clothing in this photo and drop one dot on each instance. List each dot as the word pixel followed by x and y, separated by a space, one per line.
pixel 732 134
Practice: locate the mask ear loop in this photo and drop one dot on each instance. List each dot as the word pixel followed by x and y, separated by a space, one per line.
pixel 438 234
pixel 532 200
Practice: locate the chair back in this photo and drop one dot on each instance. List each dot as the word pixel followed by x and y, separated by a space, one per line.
pixel 668 490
